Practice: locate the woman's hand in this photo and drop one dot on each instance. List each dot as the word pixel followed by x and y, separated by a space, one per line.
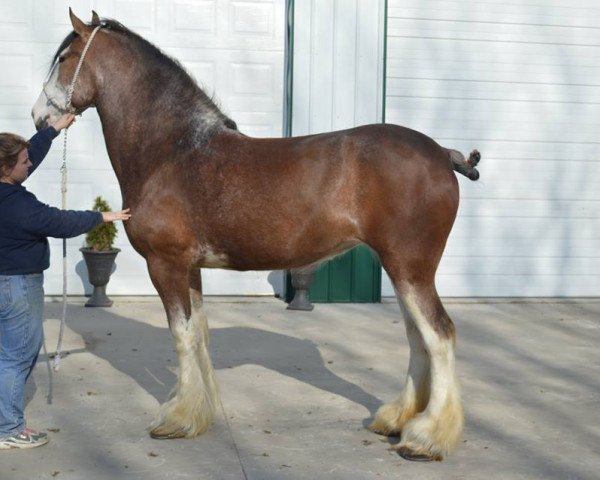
pixel 114 216
pixel 63 122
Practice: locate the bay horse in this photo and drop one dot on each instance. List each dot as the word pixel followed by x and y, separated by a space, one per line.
pixel 204 195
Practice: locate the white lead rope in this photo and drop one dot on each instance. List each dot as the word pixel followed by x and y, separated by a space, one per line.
pixel 63 190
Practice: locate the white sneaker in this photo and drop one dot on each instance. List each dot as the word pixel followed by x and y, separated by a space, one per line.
pixel 26 439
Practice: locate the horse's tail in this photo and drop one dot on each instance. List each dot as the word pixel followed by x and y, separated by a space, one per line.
pixel 465 166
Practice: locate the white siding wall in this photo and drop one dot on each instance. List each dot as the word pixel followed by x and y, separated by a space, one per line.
pixel 338 64
pixel 520 81
pixel 233 47
pixel 517 80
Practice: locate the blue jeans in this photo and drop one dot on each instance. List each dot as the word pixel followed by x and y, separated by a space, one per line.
pixel 21 337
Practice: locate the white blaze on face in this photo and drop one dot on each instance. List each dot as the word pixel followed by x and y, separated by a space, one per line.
pixel 44 110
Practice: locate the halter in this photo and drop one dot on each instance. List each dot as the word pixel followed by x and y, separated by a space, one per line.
pixel 68 108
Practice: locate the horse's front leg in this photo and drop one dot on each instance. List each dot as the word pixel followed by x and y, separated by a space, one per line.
pixel 190 410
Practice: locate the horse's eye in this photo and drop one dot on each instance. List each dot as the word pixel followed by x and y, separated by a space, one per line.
pixel 61 59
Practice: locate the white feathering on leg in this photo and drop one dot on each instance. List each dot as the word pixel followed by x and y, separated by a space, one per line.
pixel 190 410
pixel 438 428
pixel 391 417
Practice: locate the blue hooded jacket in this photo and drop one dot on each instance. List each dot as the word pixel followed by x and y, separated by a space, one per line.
pixel 25 222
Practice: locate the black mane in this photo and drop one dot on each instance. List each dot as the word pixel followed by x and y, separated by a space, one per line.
pixel 150 54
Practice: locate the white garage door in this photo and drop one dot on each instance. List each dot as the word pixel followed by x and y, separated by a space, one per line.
pixel 234 48
pixel 520 81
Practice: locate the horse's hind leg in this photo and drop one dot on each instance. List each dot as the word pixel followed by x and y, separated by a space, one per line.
pixel 435 431
pixel 391 417
pixel 190 410
pixel 428 412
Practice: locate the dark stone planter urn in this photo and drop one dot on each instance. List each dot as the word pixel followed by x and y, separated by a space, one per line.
pixel 100 266
pixel 301 281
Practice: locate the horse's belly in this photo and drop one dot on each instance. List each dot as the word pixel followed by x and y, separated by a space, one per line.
pixel 271 255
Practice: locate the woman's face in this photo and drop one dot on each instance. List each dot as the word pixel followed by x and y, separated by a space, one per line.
pixel 20 171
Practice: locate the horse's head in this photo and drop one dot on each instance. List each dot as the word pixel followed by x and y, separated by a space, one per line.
pixel 53 101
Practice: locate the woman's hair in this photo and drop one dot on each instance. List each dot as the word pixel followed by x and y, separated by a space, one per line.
pixel 10 147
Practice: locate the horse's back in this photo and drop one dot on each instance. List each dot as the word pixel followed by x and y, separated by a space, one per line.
pixel 383 162
pixel 351 168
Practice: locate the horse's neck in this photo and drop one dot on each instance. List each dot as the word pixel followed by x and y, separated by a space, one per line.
pixel 139 139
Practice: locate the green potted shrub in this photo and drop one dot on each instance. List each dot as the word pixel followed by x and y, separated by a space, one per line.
pixel 99 255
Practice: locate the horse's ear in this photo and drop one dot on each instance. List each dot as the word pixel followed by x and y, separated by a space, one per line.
pixel 80 28
pixel 95 19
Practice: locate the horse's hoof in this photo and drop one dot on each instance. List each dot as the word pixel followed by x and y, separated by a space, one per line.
pixel 161 433
pixel 418 456
pixel 381 428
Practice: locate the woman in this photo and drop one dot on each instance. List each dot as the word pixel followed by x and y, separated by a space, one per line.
pixel 25 224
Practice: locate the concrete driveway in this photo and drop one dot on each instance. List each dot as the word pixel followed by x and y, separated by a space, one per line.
pixel 297 389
